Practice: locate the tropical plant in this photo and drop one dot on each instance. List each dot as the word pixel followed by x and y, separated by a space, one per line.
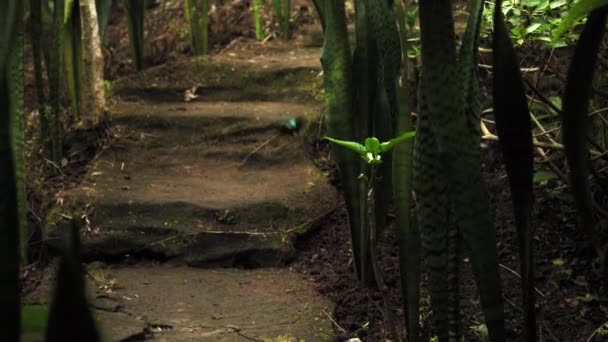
pixel 72 56
pixel 371 153
pixel 282 12
pixel 574 116
pixel 452 203
pixel 54 68
pixel 197 13
pixel 532 20
pixel 257 20
pixel 135 18
pixel 69 317
pixel 103 10
pixel 515 134
pixel 9 213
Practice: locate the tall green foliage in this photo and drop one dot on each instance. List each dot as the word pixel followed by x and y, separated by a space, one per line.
pixel 337 68
pixel 197 13
pixel 282 12
pixel 452 201
pixel 54 75
pixel 371 83
pixel 257 20
pixel 103 16
pixel 406 230
pixel 36 41
pixel 10 14
pixel 15 76
pixel 574 119
pixel 364 75
pixel 72 57
pixel 69 317
pixel 514 130
pixel 135 17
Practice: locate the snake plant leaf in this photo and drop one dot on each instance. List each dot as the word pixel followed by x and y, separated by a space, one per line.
pixel 372 145
pixel 385 146
pixel 70 317
pixel 10 11
pixel 515 136
pixel 103 16
pixel 574 118
pixel 577 11
pixel 351 145
pixel 67 11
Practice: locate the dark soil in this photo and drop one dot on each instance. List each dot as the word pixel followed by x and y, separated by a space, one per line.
pixel 570 308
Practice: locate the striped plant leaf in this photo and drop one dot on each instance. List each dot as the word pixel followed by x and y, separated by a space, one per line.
pixel 515 135
pixel 574 112
pixel 10 17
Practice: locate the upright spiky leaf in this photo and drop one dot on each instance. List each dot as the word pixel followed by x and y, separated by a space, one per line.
pixel 55 79
pixel 135 18
pixel 10 16
pixel 574 113
pixel 515 134
pixel 103 16
pixel 69 316
pixel 15 81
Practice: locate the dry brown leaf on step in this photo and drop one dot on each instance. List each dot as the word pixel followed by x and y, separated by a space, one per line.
pixel 190 94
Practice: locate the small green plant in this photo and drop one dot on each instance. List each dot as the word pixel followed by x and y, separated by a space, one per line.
pixel 371 152
pixel 372 149
pixel 108 88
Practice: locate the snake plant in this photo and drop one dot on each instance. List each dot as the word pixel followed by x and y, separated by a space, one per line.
pixel 257 20
pixel 371 153
pixel 10 12
pixel 135 18
pixel 198 18
pixel 282 12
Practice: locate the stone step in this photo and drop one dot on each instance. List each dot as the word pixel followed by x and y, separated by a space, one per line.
pixel 215 184
pixel 165 303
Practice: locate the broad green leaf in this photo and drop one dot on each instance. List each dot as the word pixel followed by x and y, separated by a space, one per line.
pixel 373 145
pixel 385 146
pixel 533 27
pixel 351 145
pixel 577 11
pixel 542 176
pixel 558 3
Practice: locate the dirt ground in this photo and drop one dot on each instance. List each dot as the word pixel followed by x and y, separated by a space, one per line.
pixel 570 304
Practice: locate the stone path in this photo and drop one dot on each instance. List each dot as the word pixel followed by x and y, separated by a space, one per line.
pixel 212 195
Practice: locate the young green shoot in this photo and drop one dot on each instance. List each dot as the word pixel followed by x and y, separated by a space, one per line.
pixel 371 152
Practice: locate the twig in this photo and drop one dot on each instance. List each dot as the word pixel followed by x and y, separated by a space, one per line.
pixel 257 149
pixel 334 322
pixel 596 331
pixel 489 67
pixel 518 276
pixel 536 143
pixel 315 219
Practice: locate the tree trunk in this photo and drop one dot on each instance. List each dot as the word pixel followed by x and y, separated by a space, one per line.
pixel 93 99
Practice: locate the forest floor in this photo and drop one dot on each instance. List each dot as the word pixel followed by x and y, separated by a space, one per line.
pixel 186 187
